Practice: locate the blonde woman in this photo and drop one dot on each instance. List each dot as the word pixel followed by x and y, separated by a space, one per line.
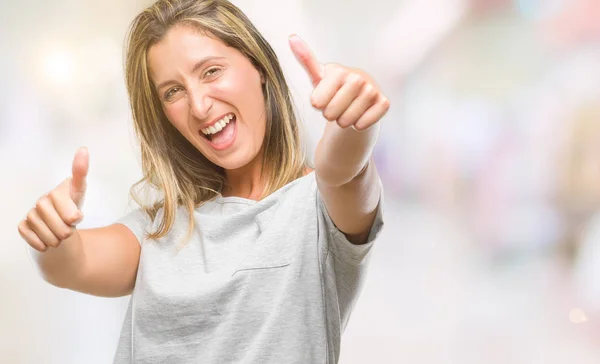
pixel 248 255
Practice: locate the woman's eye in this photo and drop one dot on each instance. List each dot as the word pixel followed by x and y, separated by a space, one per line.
pixel 171 92
pixel 211 71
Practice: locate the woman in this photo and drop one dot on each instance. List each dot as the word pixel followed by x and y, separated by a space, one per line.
pixel 248 255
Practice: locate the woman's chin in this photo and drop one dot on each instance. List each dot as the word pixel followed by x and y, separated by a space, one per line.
pixel 231 163
pixel 236 157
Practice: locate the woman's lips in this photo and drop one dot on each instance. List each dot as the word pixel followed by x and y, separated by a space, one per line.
pixel 224 138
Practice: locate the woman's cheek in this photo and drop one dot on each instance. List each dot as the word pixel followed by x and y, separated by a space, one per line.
pixel 224 88
pixel 236 84
pixel 174 114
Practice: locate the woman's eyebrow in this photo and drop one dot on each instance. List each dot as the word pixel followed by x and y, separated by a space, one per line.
pixel 196 67
pixel 201 63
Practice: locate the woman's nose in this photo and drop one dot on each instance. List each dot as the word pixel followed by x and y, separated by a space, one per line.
pixel 200 104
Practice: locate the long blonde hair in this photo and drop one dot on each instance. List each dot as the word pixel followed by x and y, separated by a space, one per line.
pixel 171 165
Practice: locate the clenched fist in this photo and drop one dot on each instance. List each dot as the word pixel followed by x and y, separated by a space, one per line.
pixel 55 215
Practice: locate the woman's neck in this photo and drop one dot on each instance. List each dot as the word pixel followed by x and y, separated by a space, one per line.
pixel 248 181
pixel 249 187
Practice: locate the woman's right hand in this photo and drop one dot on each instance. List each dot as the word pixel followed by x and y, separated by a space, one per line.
pixel 54 216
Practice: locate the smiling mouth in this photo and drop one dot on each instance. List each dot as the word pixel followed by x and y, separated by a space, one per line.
pixel 217 128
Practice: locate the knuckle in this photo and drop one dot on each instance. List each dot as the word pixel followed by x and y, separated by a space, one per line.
pixel 342 125
pixel 34 246
pixel 63 235
pixel 42 203
pixel 327 114
pixel 315 103
pixel 54 195
pixel 342 71
pixel 385 103
pixel 53 242
pixel 22 228
pixel 356 79
pixel 345 120
pixel 75 218
pixel 68 220
pixel 370 91
pixel 31 215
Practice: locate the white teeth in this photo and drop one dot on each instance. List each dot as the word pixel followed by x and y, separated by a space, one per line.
pixel 218 126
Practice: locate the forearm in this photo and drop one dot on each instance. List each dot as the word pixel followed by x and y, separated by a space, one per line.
pixel 62 266
pixel 343 153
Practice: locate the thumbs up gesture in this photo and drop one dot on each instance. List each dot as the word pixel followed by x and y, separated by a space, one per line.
pixel 55 215
pixel 347 96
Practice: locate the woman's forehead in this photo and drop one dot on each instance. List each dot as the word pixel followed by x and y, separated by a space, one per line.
pixel 183 47
pixel 181 42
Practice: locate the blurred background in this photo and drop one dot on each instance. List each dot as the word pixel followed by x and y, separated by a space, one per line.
pixel 490 159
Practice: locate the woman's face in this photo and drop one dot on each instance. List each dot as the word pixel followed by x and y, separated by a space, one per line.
pixel 211 93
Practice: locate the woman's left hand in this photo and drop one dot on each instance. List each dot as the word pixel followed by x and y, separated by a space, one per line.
pixel 345 95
